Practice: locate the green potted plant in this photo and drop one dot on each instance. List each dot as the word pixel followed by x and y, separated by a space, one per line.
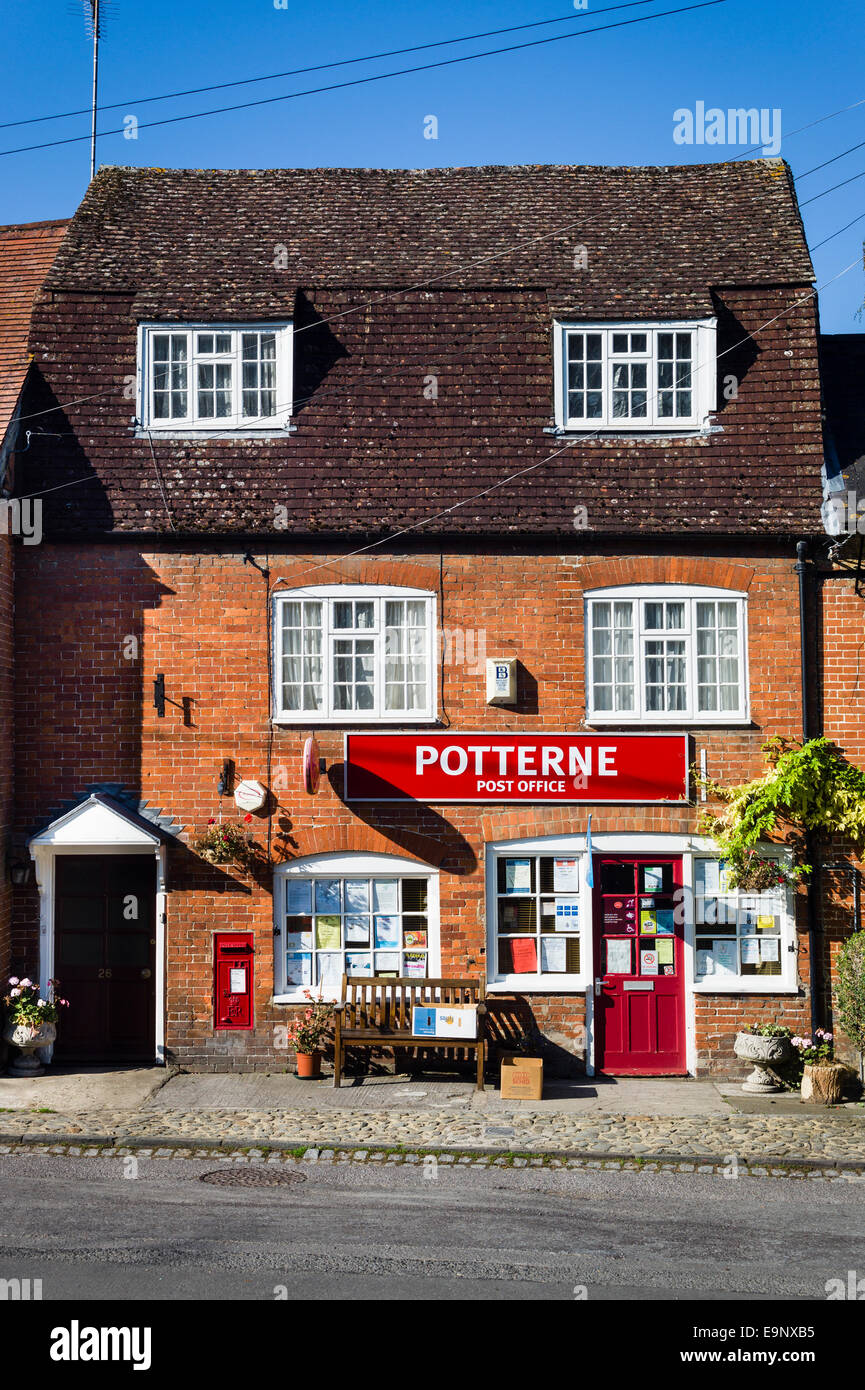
pixel 766 1045
pixel 305 1035
pixel 31 1021
pixel 822 1076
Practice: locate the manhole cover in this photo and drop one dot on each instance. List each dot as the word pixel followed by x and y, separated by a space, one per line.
pixel 252 1177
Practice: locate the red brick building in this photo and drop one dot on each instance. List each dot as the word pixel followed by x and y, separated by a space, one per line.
pixel 325 445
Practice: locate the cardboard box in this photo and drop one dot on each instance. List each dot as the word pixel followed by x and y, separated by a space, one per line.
pixel 445 1020
pixel 522 1078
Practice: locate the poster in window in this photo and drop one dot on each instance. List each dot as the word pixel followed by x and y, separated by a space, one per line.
pixel 724 955
pixel 357 963
pixel 664 948
pixel 554 954
pixel 653 880
pixel 705 964
pixel 387 963
pixel 618 912
pixel 518 875
pixel 298 897
pixel 664 920
pixel 387 931
pixel 567 914
pixel 357 895
pixel 329 968
pixel 648 923
pixel 566 875
pixel 299 940
pixel 357 931
pixel 770 948
pixel 415 939
pixel 327 895
pixel 765 922
pixel 298 970
pixel 327 933
pixel 415 963
pixel 385 895
pixel 751 950
pixel 709 877
pixel 619 957
pixel 524 955
pixel 648 962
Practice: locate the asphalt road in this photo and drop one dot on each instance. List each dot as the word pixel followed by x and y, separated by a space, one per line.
pixel 352 1231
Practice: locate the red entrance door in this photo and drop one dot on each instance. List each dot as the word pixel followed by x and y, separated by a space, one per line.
pixel 639 985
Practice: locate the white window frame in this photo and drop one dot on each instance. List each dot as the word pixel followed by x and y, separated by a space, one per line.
pixel 784 983
pixel 703 378
pixel 691 594
pixel 328 594
pixel 538 983
pixel 193 426
pixel 348 865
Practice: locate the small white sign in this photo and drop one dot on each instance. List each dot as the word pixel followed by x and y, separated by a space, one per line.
pixel 249 796
pixel 237 981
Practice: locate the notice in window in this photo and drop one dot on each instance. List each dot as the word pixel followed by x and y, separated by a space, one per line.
pixel 566 875
pixel 518 875
pixel 524 954
pixel 751 950
pixel 724 956
pixel 298 970
pixel 327 933
pixel 770 948
pixel 664 921
pixel 648 962
pixel 765 922
pixel 567 914
pixel 648 923
pixel 653 880
pixel 705 964
pixel 554 954
pixel 415 963
pixel 665 950
pixel 618 957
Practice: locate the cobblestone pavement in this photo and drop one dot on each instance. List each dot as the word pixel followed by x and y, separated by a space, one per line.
pixel 818 1137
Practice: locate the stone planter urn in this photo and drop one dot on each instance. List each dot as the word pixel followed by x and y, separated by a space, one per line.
pixel 765 1053
pixel 27 1040
pixel 822 1083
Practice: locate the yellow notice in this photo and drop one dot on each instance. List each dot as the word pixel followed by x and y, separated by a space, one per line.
pixel 665 950
pixel 765 922
pixel 327 933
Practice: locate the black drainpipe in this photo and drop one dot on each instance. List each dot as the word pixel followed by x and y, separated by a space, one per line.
pixel 814 946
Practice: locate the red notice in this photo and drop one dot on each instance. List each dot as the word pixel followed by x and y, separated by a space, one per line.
pixel 436 768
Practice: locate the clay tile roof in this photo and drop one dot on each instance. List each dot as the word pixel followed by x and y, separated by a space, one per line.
pixel 26 253
pixel 231 241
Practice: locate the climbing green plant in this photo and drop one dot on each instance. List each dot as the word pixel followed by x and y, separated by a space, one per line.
pixel 851 989
pixel 805 787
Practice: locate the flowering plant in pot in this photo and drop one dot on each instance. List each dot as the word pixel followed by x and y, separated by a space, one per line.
pixel 306 1032
pixel 31 1020
pixel 822 1076
pixel 766 1045
pixel 225 842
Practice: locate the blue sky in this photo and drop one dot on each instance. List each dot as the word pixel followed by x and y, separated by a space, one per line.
pixel 606 98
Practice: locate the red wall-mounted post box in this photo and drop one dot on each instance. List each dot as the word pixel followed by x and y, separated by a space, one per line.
pixel 233 979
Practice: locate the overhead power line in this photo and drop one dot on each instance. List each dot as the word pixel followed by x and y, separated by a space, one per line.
pixel 324 67
pixel 378 77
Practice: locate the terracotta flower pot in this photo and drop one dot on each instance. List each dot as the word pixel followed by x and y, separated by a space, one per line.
pixel 308 1065
pixel 27 1040
pixel 822 1083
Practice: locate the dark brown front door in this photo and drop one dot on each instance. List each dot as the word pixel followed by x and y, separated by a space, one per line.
pixel 105 956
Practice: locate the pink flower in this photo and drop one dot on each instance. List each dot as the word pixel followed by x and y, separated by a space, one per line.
pixel 13 979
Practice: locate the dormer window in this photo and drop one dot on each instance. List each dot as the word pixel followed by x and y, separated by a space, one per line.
pixel 637 377
pixel 225 378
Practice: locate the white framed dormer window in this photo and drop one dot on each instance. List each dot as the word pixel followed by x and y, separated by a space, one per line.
pixel 744 942
pixel 636 377
pixel 354 654
pixel 353 914
pixel 666 653
pixel 539 917
pixel 212 378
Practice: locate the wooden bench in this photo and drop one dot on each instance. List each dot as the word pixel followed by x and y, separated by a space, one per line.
pixel 376 1011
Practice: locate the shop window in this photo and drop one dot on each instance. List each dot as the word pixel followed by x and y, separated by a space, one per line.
pixel 743 940
pixel 355 917
pixel 666 654
pixel 354 654
pixel 537 920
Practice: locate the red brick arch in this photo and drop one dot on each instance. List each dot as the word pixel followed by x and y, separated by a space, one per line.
pixel 301 570
pixel 665 569
pixel 357 838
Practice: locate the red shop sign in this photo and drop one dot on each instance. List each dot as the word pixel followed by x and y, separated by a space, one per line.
pixel 436 768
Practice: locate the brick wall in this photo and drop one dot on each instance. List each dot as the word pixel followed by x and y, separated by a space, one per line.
pixel 85 714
